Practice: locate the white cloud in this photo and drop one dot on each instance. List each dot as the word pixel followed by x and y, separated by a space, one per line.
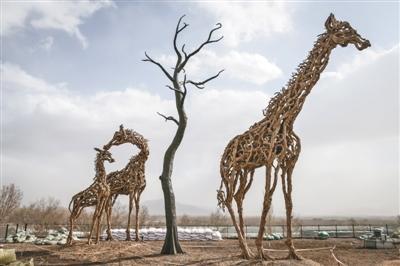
pixel 243 22
pixel 64 127
pixel 47 43
pixel 15 75
pixel 367 88
pixel 60 15
pixel 350 139
pixel 248 67
pixel 362 59
pixel 348 129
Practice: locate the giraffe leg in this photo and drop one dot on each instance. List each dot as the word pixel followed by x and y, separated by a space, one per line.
pixel 230 184
pixel 99 219
pixel 287 192
pixel 94 221
pixel 246 253
pixel 261 230
pixel 239 204
pixel 239 198
pixel 108 209
pixel 71 226
pixel 128 228
pixel 76 211
pixel 137 200
pixel 266 206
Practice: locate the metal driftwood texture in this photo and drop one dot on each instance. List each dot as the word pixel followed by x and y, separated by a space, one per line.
pixel 96 194
pixel 179 87
pixel 130 180
pixel 272 143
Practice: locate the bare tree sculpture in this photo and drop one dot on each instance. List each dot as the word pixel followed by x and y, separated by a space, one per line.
pixel 178 86
pixel 10 199
pixel 272 143
pixel 130 180
pixel 96 194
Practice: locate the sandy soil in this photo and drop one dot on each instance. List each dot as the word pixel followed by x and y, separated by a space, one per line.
pixel 225 252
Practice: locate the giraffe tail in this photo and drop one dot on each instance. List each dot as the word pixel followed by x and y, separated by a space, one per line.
pixel 221 196
pixel 72 201
pixel 69 206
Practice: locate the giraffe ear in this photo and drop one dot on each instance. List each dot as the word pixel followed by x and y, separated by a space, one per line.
pixel 97 149
pixel 330 22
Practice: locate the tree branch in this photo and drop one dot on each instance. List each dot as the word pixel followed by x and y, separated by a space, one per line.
pixel 173 89
pixel 200 84
pixel 169 118
pixel 149 59
pixel 177 31
pixel 208 41
pixel 183 50
pixel 184 92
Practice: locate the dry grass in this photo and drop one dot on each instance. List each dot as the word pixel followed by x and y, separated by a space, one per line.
pixel 224 252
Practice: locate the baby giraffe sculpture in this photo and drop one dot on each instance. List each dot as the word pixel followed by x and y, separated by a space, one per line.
pixel 272 143
pixel 95 195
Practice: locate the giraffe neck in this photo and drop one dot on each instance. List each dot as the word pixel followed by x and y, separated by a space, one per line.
pixel 139 158
pixel 287 104
pixel 100 170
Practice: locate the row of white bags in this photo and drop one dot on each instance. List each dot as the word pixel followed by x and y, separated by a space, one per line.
pixel 191 234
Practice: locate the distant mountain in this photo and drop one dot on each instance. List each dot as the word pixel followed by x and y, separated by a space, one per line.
pixel 156 207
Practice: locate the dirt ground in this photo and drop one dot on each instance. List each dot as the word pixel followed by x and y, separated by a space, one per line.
pixel 225 252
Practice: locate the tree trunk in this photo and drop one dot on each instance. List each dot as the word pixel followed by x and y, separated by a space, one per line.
pixel 171 243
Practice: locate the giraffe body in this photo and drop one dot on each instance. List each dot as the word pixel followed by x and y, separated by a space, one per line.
pixel 95 195
pixel 272 143
pixel 130 180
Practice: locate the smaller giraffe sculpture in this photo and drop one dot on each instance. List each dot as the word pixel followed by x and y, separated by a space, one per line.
pixel 96 194
pixel 130 180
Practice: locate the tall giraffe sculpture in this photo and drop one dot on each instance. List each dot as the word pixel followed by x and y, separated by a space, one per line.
pixel 272 143
pixel 96 194
pixel 130 180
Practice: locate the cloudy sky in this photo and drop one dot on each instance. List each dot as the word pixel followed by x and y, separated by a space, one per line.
pixel 71 73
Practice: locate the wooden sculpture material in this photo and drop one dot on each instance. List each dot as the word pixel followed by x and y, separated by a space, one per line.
pixel 272 143
pixel 130 180
pixel 95 195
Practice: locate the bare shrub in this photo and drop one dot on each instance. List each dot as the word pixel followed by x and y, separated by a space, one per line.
pixel 217 218
pixel 185 220
pixel 10 199
pixel 42 212
pixel 144 216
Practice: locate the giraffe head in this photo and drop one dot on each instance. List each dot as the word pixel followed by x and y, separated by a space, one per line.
pixel 341 33
pixel 118 138
pixel 104 155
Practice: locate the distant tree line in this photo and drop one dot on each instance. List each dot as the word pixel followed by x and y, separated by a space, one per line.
pixel 49 211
